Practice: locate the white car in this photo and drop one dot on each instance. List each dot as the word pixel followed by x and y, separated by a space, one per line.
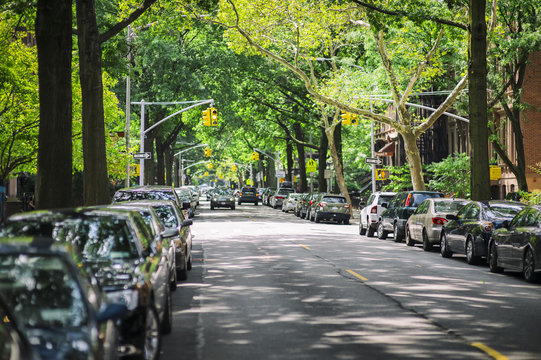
pixel 289 203
pixel 369 215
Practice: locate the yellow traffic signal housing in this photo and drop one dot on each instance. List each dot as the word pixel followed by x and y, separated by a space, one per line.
pixel 255 156
pixel 213 116
pixel 210 166
pixel 234 168
pixel 346 118
pixel 208 152
pixel 382 174
pixel 354 119
pixel 206 117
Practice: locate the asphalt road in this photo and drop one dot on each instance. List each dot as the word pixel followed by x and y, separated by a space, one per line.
pixel 268 285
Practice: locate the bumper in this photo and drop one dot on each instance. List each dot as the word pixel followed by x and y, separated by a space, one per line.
pixel 252 199
pixel 332 216
pixel 223 203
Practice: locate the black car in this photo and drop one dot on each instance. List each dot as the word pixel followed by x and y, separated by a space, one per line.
pixel 516 246
pixel 63 312
pixel 222 198
pixel 469 231
pixel 248 194
pixel 395 217
pixel 149 192
pixel 116 247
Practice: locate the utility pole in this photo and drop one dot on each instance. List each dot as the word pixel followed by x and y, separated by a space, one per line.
pixel 128 104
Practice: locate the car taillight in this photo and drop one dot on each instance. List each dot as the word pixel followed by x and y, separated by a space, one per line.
pixel 322 204
pixel 439 221
pixel 408 201
pixel 346 205
pixel 374 210
pixel 278 197
pixel 489 226
pixel 310 202
pixel 240 194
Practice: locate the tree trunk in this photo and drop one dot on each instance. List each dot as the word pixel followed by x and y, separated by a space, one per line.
pixel 160 161
pixel 289 156
pixel 299 135
pixel 168 166
pixel 414 161
pixel 54 42
pixel 95 180
pixel 338 168
pixel 480 179
pixel 338 143
pixel 322 163
pixel 176 169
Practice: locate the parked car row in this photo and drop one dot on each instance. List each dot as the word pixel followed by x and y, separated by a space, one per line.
pixel 506 234
pixel 96 282
pixel 315 206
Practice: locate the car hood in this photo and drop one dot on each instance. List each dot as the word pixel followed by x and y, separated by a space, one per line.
pixel 61 343
pixel 113 275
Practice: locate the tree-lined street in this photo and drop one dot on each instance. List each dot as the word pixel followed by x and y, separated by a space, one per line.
pixel 269 285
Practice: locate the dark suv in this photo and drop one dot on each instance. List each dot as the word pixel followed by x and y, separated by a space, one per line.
pixel 402 205
pixel 248 194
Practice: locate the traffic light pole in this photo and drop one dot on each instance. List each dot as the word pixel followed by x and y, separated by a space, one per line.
pixel 143 132
pixel 372 150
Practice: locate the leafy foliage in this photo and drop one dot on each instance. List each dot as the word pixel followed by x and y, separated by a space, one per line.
pixel 451 176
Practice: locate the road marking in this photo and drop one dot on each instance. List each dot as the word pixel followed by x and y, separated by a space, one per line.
pixel 496 355
pixel 357 275
pixel 304 246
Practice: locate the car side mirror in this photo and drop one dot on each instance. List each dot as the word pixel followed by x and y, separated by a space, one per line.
pixel 169 233
pixel 362 204
pixel 186 205
pixel 451 217
pixel 385 205
pixel 187 222
pixel 112 311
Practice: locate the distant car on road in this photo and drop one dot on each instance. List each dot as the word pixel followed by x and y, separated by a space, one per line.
pixel 248 194
pixel 330 207
pixel 369 214
pixel 278 197
pixel 222 198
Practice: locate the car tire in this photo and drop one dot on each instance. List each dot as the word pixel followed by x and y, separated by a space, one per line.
pixel 493 259
pixel 211 206
pixel 427 245
pixel 409 240
pixel 396 238
pixel 233 207
pixel 182 273
pixel 256 203
pixel 362 229
pixel 316 218
pixel 382 234
pixel 167 323
pixel 528 267
pixel 153 338
pixel 346 222
pixel 173 282
pixel 444 247
pixel 370 231
pixel 110 346
pixel 471 258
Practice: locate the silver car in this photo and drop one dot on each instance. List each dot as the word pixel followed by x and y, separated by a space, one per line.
pixel 330 207
pixel 290 202
pixel 424 225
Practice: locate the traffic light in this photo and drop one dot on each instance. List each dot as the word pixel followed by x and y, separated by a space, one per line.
pixel 210 166
pixel 234 168
pixel 255 156
pixel 382 174
pixel 354 119
pixel 206 117
pixel 346 118
pixel 213 116
pixel 208 152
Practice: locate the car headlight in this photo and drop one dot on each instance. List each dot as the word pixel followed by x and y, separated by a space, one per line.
pixel 232 199
pixel 130 298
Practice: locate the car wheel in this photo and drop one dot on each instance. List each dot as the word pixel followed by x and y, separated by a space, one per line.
pixel 256 203
pixel 173 281
pixel 189 265
pixel 110 345
pixel 444 247
pixel 409 240
pixel 211 206
pixel 528 267
pixel 370 230
pixel 396 238
pixel 362 229
pixel 239 202
pixel 382 234
pixel 167 324
pixel 493 259
pixel 153 338
pixel 312 216
pixel 346 222
pixel 471 258
pixel 182 273
pixel 233 207
pixel 427 245
pixel 316 218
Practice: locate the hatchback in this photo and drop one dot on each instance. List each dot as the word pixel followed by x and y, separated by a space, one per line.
pixel 248 194
pixel 330 207
pixel 290 202
pixel 369 214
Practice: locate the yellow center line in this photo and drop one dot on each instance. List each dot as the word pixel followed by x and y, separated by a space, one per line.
pixel 304 246
pixel 357 275
pixel 496 355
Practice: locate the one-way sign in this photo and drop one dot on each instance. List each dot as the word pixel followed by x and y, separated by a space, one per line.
pixel 375 161
pixel 143 155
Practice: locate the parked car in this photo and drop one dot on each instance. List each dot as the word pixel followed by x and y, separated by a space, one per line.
pixel 116 246
pixel 425 224
pixel 222 198
pixel 306 204
pixel 468 232
pixel 265 197
pixel 298 204
pixel 277 198
pixel 194 191
pixel 248 194
pixel 64 314
pixel 187 201
pixel 403 204
pixel 330 207
pixel 178 230
pixel 14 343
pixel 290 202
pixel 371 211
pixel 516 246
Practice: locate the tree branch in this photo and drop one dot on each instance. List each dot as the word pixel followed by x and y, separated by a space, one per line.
pixel 118 27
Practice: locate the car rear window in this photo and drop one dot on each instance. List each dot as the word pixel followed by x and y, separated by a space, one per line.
pixel 251 191
pixel 385 199
pixel 285 191
pixel 334 199
pixel 143 195
pixel 419 198
pixel 448 206
pixel 502 211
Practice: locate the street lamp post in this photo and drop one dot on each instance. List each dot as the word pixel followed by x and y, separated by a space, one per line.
pixel 180 158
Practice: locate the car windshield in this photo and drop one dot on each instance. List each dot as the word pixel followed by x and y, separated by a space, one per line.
pixel 95 237
pixel 334 200
pixel 495 212
pixel 167 215
pixel 419 198
pixel 249 191
pixel 448 206
pixel 42 291
pixel 143 195
pixel 385 199
pixel 285 191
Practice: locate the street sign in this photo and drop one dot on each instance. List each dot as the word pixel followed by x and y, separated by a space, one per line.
pixel 280 173
pixel 382 174
pixel 311 166
pixel 375 161
pixel 495 172
pixel 139 156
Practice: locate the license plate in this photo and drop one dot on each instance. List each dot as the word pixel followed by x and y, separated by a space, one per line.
pixel 335 208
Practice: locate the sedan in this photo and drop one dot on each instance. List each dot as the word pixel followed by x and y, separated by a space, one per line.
pixel 516 246
pixel 425 224
pixel 222 198
pixel 470 229
pixel 290 202
pixel 63 313
pixel 13 341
